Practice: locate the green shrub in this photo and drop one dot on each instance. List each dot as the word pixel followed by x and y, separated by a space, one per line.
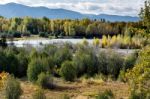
pixel 39 94
pixel 50 50
pixel 110 63
pixel 62 55
pixel 33 54
pixel 121 76
pixel 16 34
pixel 68 71
pixel 3 60
pixel 45 81
pixel 130 61
pixel 12 88
pixel 42 34
pixel 114 64
pixel 35 67
pixel 3 42
pixel 85 61
pixel 65 96
pixel 139 95
pixel 12 62
pixel 102 63
pixel 108 94
pixel 23 64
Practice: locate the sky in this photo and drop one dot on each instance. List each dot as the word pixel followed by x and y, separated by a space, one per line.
pixel 114 7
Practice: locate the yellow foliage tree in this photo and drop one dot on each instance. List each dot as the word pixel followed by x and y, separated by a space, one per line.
pixel 96 42
pixel 104 41
pixel 139 76
pixel 113 41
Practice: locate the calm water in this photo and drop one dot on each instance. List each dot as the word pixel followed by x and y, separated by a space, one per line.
pixel 38 42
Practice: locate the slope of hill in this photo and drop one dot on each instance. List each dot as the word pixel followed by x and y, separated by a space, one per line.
pixel 18 10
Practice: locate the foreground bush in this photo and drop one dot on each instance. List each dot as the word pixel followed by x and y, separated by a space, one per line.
pixel 12 88
pixel 108 94
pixel 45 81
pixel 68 71
pixel 39 94
pixel 139 76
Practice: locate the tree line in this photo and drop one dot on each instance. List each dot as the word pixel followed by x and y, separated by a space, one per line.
pixel 45 27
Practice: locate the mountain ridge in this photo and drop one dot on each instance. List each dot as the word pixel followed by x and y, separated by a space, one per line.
pixel 10 10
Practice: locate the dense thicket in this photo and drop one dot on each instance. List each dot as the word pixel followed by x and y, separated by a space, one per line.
pixel 69 62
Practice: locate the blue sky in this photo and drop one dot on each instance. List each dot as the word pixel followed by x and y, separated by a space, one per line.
pixel 116 7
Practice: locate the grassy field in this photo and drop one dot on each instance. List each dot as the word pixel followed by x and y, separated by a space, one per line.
pixel 81 89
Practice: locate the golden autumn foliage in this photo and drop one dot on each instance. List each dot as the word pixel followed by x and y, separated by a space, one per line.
pixel 139 76
pixel 104 41
pixel 124 42
pixel 3 77
pixel 96 42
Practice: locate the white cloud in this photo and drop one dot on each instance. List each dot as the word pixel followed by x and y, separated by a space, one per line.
pixel 118 7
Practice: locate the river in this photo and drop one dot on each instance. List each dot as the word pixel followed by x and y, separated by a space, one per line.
pixel 39 42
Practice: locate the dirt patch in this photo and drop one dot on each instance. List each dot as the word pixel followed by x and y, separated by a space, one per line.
pixel 77 90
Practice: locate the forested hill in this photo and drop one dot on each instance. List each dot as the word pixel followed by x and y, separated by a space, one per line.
pixel 18 10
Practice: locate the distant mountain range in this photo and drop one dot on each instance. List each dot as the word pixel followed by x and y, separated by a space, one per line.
pixel 18 10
